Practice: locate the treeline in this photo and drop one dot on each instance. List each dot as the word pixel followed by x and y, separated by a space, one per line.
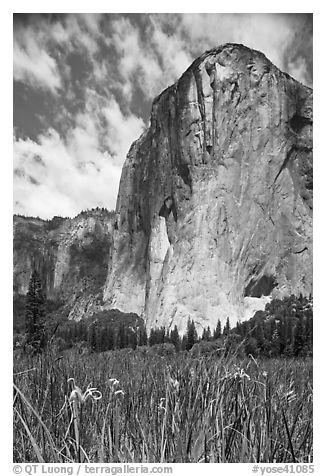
pixel 58 219
pixel 284 328
pixel 113 329
pixel 101 337
pixel 106 330
pixel 102 210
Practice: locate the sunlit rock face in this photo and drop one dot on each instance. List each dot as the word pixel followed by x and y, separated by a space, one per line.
pixel 214 213
pixel 71 256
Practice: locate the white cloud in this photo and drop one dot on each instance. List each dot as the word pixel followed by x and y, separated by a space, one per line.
pixel 151 61
pixel 92 21
pixel 33 65
pixel 298 70
pixel 131 125
pixel 157 57
pixel 269 33
pixel 75 172
pixel 79 36
pixel 137 63
pixel 82 168
pixel 35 53
pixel 65 183
pixel 172 50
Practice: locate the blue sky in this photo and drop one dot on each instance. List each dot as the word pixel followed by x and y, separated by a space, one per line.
pixel 84 84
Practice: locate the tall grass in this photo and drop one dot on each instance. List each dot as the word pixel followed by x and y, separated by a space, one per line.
pixel 162 409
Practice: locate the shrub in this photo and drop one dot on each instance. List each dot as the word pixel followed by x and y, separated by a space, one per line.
pixel 163 349
pixel 206 348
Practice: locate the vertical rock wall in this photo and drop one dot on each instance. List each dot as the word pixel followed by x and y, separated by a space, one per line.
pixel 71 256
pixel 214 214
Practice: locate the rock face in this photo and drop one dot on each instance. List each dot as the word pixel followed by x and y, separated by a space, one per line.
pixel 214 213
pixel 71 256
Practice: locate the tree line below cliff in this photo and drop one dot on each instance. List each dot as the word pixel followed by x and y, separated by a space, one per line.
pixel 284 328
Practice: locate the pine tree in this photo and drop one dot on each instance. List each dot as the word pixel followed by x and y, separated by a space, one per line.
pixel 217 331
pixel 259 335
pixel 152 337
pixel 184 342
pixel 298 344
pixel 35 313
pixel 276 340
pixel 142 335
pixel 161 337
pixel 191 334
pixel 309 331
pixel 175 338
pixel 92 339
pixel 289 332
pixel 206 334
pixel 132 339
pixel 122 339
pixel 244 329
pixel 110 338
pixel 103 338
pixel 227 327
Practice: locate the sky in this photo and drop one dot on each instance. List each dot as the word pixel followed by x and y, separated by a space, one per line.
pixel 84 85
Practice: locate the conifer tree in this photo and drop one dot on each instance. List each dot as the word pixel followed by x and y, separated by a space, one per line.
pixel 175 338
pixel 206 334
pixel 93 338
pixel 109 338
pixel 227 327
pixel 299 341
pixel 191 334
pixel 142 336
pixel 259 334
pixel 122 338
pixel 102 338
pixel 35 313
pixel 309 332
pixel 152 338
pixel 184 342
pixel 132 339
pixel 161 335
pixel 217 331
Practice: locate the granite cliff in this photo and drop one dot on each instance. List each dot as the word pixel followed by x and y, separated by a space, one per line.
pixel 71 256
pixel 214 212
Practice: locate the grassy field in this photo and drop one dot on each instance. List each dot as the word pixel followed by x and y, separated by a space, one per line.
pixel 161 409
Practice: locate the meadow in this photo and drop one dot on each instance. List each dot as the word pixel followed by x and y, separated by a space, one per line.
pixel 144 407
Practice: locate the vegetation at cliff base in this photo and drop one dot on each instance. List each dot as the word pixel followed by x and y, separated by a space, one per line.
pixel 105 391
pixel 283 329
pixel 35 314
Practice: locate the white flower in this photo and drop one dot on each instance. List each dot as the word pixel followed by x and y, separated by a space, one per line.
pixel 119 392
pixel 241 374
pixel 113 382
pixel 290 396
pixel 77 395
pixel 175 384
pixel 161 407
